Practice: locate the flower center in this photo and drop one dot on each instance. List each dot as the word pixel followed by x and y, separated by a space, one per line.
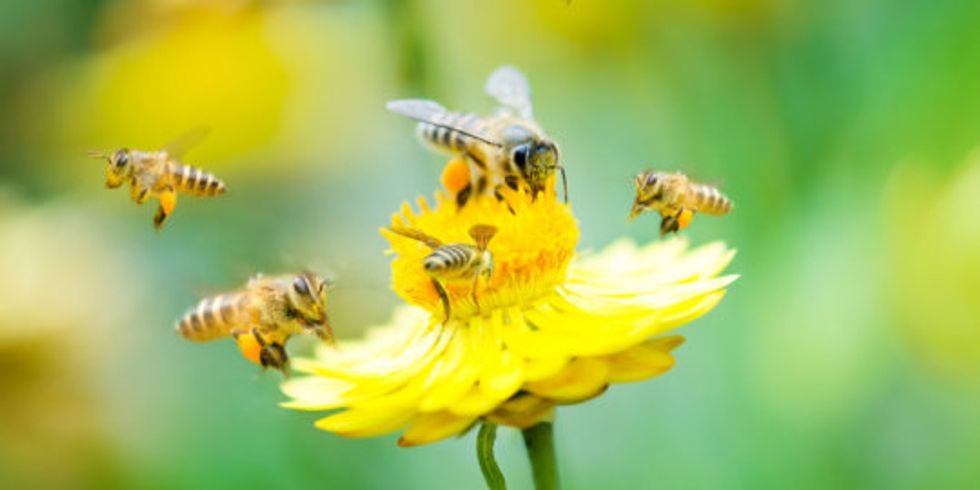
pixel 531 251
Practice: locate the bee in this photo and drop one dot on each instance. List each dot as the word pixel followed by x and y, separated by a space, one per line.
pixel 676 198
pixel 507 148
pixel 455 261
pixel 159 174
pixel 262 316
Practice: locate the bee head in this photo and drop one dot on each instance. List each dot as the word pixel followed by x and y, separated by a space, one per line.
pixel 119 167
pixel 649 191
pixel 308 297
pixel 537 160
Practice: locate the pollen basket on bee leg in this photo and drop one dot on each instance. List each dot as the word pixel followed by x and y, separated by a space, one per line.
pixel 455 176
pixel 249 347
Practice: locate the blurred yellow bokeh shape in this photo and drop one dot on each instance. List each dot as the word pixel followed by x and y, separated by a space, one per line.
pixel 208 70
pixel 934 237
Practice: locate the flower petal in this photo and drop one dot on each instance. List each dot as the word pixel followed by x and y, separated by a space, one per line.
pixel 431 427
pixel 642 361
pixel 523 411
pixel 583 378
pixel 363 422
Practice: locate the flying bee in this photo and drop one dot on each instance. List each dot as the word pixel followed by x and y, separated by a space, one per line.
pixel 455 261
pixel 159 174
pixel 676 198
pixel 508 148
pixel 262 316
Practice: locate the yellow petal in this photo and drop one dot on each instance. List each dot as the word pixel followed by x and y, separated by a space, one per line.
pixel 502 371
pixel 364 422
pixel 583 378
pixel 475 402
pixel 523 411
pixel 642 361
pixel 538 368
pixel 458 373
pixel 431 427
pixel 316 393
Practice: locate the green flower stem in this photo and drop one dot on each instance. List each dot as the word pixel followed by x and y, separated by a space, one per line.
pixel 484 453
pixel 540 443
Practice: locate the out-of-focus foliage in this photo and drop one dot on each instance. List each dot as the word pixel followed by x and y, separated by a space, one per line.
pixel 845 131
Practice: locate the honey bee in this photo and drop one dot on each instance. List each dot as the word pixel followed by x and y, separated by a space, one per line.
pixel 455 261
pixel 262 316
pixel 159 174
pixel 507 148
pixel 676 198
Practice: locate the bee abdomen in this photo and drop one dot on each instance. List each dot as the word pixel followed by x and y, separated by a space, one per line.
pixel 709 200
pixel 448 258
pixel 442 136
pixel 213 318
pixel 194 181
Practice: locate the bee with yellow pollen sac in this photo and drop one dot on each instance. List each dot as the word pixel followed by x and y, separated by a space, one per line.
pixel 160 174
pixel 676 198
pixel 552 327
pixel 262 316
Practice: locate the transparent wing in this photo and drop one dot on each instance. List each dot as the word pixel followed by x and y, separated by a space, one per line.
pixel 510 87
pixel 179 146
pixel 431 112
pixel 414 234
pixel 418 109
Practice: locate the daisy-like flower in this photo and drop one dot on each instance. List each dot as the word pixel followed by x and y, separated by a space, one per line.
pixel 551 327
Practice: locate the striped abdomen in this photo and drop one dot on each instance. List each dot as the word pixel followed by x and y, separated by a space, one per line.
pixel 213 318
pixel 194 181
pixel 441 136
pixel 451 260
pixel 706 199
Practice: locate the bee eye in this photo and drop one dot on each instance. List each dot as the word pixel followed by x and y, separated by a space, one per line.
pixel 520 156
pixel 122 160
pixel 652 179
pixel 299 284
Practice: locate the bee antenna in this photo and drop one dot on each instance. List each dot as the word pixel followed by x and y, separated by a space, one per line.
pixel 564 181
pixel 97 154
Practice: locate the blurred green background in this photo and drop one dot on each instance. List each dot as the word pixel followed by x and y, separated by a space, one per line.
pixel 847 355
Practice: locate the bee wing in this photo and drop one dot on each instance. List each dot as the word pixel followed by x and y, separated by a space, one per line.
pixel 179 146
pixel 429 111
pixel 510 87
pixel 414 234
pixel 419 109
pixel 482 234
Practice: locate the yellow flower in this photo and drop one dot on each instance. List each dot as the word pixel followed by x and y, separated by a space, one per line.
pixel 552 328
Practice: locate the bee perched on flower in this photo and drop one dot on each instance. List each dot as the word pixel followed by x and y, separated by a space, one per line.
pixel 551 328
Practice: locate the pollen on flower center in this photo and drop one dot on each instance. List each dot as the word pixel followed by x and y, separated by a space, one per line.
pixel 531 250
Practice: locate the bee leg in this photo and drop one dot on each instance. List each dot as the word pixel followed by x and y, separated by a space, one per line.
pixel 476 300
pixel 500 197
pixel 669 223
pixel 463 196
pixel 444 297
pixel 138 193
pixel 168 200
pixel 272 354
